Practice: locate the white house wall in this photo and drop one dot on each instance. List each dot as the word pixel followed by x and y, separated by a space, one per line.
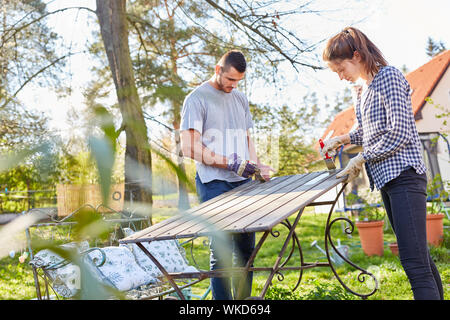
pixel 430 123
pixel 443 158
pixel 441 104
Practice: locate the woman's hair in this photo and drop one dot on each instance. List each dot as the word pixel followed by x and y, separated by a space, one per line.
pixel 233 58
pixel 345 43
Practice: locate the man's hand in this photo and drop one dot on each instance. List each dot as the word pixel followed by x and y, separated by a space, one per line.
pixel 330 146
pixel 353 168
pixel 265 171
pixel 243 168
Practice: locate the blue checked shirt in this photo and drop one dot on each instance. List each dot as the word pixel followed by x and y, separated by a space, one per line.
pixel 386 128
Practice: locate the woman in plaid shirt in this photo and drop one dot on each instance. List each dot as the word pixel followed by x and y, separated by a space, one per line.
pixel 391 150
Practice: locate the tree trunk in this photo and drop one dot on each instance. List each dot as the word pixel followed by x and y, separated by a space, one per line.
pixel 114 31
pixel 183 196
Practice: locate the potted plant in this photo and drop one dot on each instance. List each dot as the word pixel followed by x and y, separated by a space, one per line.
pixel 370 222
pixel 437 195
pixel 394 248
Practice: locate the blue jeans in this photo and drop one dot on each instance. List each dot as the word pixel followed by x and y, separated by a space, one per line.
pixel 225 248
pixel 405 201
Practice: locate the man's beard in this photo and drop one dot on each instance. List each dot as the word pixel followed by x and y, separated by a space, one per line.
pixel 221 86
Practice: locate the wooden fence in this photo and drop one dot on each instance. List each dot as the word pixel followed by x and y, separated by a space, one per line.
pixel 72 197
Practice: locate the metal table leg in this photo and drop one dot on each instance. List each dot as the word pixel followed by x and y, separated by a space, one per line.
pixel 163 270
pixel 292 236
pixel 328 240
pixel 277 266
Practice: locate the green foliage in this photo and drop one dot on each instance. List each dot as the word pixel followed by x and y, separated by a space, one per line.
pixel 433 47
pixel 317 283
pixel 78 169
pixel 371 211
pixel 281 133
pixel 166 51
pixel 436 190
pixel 103 153
pixel 165 70
pixel 321 291
pixel 280 293
pixel 341 102
pixel 21 128
pixel 27 50
pixel 17 280
pixel 328 292
pixel 441 253
pixel 443 114
pixel 181 174
pixel 30 169
pixel 279 138
pixel 89 225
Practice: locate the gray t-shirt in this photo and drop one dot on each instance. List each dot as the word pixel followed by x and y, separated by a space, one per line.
pixel 222 119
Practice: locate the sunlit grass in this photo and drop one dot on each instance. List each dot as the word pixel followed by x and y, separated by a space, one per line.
pixel 393 283
pixel 318 283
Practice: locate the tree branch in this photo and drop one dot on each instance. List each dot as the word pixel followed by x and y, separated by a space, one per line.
pixel 245 27
pixel 16 30
pixel 34 76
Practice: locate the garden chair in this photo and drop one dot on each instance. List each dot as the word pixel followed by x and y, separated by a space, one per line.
pixel 122 268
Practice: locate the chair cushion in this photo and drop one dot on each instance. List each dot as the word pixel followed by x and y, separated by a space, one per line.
pixel 167 252
pixel 121 269
pixel 64 279
pixel 46 257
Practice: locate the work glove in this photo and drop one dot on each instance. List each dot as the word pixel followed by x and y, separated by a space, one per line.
pixel 243 168
pixel 353 168
pixel 264 172
pixel 330 146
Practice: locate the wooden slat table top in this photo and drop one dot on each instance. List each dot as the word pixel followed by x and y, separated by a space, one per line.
pixel 254 206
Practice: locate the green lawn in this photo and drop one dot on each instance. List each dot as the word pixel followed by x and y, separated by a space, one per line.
pixel 318 283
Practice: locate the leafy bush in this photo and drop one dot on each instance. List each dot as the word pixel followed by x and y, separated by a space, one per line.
pixel 321 291
pixel 436 191
pixel 325 291
pixel 372 209
pixel 281 293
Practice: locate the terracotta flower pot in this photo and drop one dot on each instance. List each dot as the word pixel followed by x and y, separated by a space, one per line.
pixel 371 236
pixel 394 248
pixel 435 229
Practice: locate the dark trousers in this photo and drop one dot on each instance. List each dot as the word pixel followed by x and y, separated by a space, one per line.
pixel 227 249
pixel 405 201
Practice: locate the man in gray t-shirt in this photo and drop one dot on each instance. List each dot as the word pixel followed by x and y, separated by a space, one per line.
pixel 215 123
pixel 222 119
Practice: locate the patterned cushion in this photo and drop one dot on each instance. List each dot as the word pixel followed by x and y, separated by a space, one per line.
pixel 167 252
pixel 121 269
pixel 126 267
pixel 64 279
pixel 46 257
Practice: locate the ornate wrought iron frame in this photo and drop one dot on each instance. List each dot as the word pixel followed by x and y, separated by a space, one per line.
pixel 280 264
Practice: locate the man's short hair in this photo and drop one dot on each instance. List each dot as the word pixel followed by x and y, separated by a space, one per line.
pixel 233 58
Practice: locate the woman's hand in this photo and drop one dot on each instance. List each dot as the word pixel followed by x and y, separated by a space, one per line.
pixel 353 168
pixel 330 146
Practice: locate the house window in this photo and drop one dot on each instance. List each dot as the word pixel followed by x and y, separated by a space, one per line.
pixel 430 152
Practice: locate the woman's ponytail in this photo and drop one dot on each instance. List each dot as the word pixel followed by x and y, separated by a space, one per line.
pixel 344 44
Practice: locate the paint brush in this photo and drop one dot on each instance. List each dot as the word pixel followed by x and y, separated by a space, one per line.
pixel 328 160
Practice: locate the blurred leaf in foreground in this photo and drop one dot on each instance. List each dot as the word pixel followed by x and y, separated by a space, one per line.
pixel 103 152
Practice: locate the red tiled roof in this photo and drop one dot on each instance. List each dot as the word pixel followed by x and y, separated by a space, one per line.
pixel 342 124
pixel 422 81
